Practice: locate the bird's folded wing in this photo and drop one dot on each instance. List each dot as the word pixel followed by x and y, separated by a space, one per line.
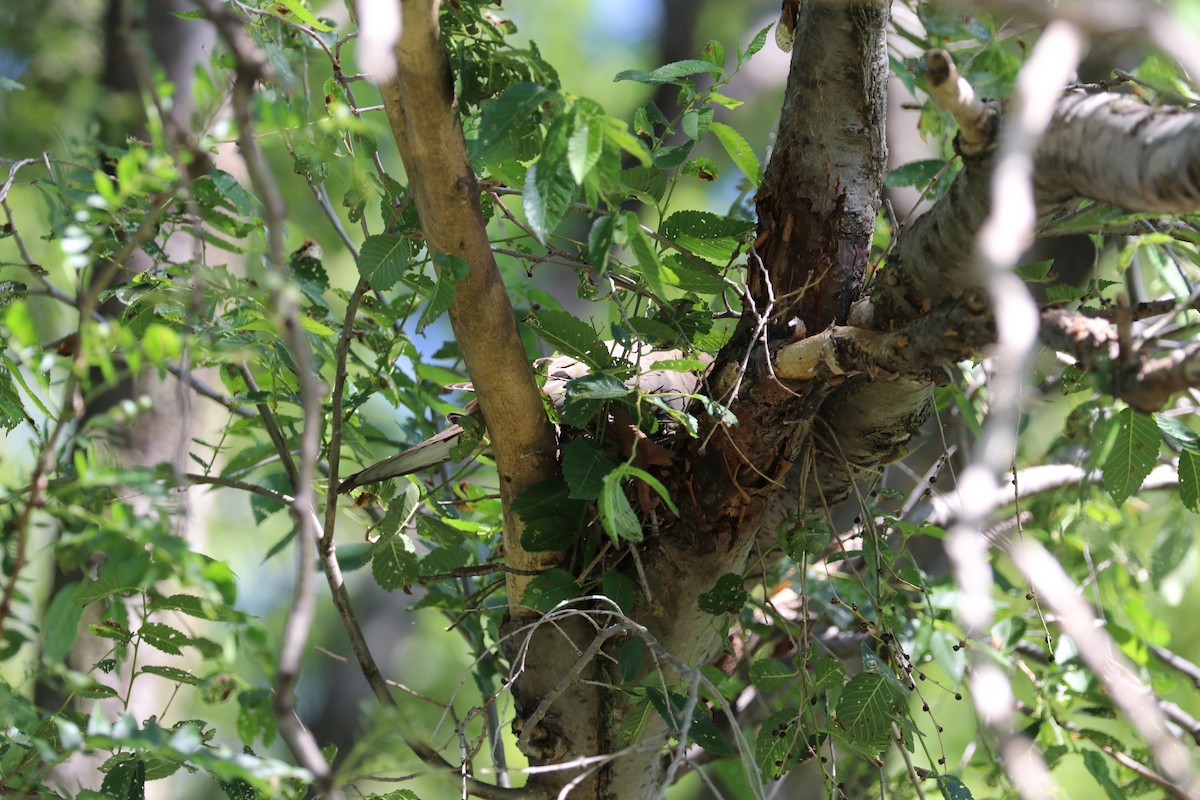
pixel 429 453
pixel 675 386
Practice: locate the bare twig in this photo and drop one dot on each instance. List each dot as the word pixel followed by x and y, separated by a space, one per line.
pixel 250 67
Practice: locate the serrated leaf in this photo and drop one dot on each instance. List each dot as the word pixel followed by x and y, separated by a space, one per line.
pixel 584 147
pixel 669 73
pixel 552 519
pixel 172 674
pixel 1062 293
pixel 710 236
pixel 196 607
pixel 755 45
pixel 126 778
pixel 701 729
pixel 1037 272
pixel 61 624
pixel 616 514
pixel 617 133
pixel 1176 433
pixel 914 173
pixel 394 561
pixel 600 242
pixel 571 336
pixel 304 15
pixel 728 596
pixel 400 510
pixel 619 589
pixel 634 722
pixel 547 196
pixel 507 118
pixel 164 637
pixel 584 467
pixel 382 260
pixel 648 263
pixel 739 150
pixel 769 674
pixel 953 788
pixel 780 746
pixel 110 583
pixel 1189 479
pixel 865 710
pixel 450 270
pixel 695 123
pixel 549 589
pixel 1133 454
pixel 828 673
pixel 648 180
pixel 1097 766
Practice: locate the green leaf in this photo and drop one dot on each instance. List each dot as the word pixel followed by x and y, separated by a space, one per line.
pixel 770 674
pixel 616 514
pixel 19 322
pixel 914 173
pixel 755 45
pixel 126 778
pixel 570 335
pixel 647 181
pixel 552 519
pixel 728 596
pixel 1096 764
pixel 547 196
pixel 673 708
pixel 304 15
pixel 651 481
pixel 394 561
pixel 1133 454
pixel 61 624
pixel 383 259
pixel 1189 479
pixel 619 589
pixel 506 118
pixel 1037 272
pixel 197 607
pixel 714 53
pixel 255 719
pixel 648 264
pixel 172 674
pixel 953 788
pixel 695 123
pixel 584 467
pixel 617 133
pixel 1062 293
pixel 450 270
pixel 584 148
pixel 164 637
pixel 669 73
pixel 709 236
pixel 1177 434
pixel 866 709
pixel 600 242
pixel 109 583
pixel 739 152
pixel 547 590
pixel 780 746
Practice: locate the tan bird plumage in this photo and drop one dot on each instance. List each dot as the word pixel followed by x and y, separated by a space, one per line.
pixel 674 386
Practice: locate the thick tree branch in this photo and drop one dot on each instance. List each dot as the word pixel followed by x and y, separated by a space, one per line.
pixel 1115 149
pixel 424 118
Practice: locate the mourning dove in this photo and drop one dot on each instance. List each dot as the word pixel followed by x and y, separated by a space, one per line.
pixel 675 388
